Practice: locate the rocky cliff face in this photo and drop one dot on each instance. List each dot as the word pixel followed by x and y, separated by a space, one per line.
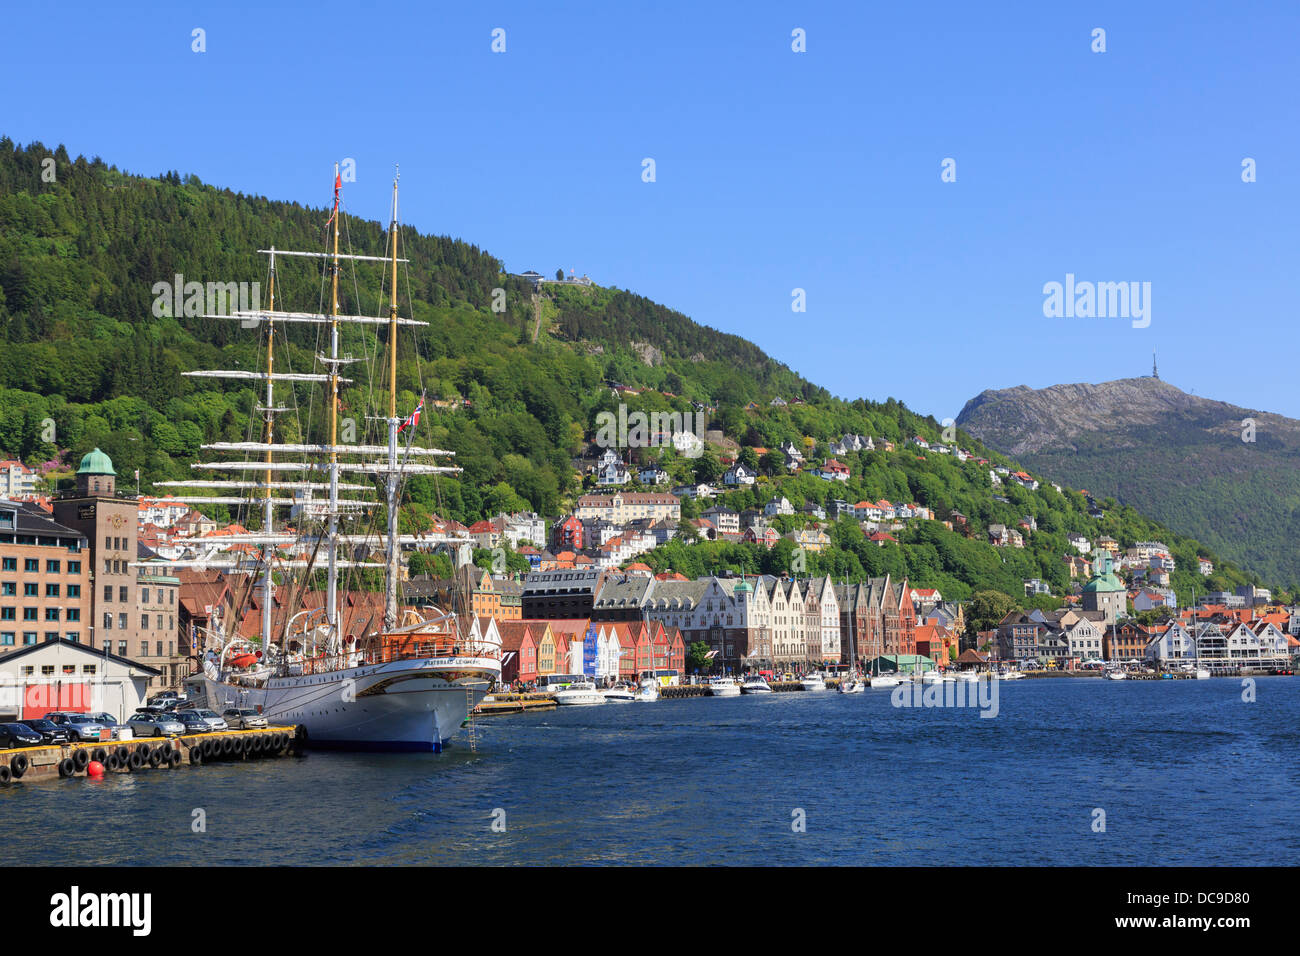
pixel 1025 420
pixel 1182 458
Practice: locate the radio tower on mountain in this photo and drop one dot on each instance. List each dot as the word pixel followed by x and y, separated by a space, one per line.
pixel 1155 372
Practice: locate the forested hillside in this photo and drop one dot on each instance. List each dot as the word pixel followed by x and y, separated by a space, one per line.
pixel 518 391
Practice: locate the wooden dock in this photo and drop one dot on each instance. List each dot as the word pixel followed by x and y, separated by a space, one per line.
pixel 145 754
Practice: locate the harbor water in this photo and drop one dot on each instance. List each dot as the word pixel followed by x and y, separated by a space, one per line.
pixel 1177 772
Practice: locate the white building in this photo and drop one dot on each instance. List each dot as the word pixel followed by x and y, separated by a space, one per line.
pixel 67 675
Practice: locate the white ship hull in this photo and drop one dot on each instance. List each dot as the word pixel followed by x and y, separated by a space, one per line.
pixel 403 705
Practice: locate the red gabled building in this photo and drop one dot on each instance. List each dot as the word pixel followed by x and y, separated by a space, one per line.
pixel 518 652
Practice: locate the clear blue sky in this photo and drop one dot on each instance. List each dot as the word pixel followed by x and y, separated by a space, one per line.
pixel 775 170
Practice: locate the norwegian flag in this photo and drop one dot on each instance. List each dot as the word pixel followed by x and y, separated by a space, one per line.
pixel 413 419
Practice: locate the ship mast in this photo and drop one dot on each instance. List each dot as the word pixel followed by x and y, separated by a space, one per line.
pixel 268 505
pixel 391 566
pixel 331 597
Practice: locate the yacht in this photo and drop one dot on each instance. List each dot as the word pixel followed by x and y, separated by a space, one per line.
pixel 1202 673
pixel 879 681
pixel 754 684
pixel 648 690
pixel 723 687
pixel 1010 675
pixel 620 693
pixel 1115 673
pixel 580 693
pixel 931 677
pixel 813 682
pixel 968 677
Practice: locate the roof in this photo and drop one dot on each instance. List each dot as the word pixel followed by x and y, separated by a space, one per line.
pixel 76 646
pixel 96 463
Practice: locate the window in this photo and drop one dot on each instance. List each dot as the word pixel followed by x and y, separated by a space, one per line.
pixel 51 590
pixel 108 621
pixel 144 648
pixel 29 614
pixel 73 614
pixel 74 637
pixel 108 566
pixel 160 648
pixel 30 589
pixel 144 595
pixel 122 594
pixel 51 636
pixel 121 648
pixel 88 668
pixel 121 622
pixel 9 564
pixel 8 588
pixel 144 622
pixel 6 638
pixel 108 592
pixel 74 590
pixel 6 614
pixel 159 624
pixel 52 567
pixel 32 564
pixel 51 614
pixel 29 637
pixel 69 668
pixel 171 596
pixel 74 567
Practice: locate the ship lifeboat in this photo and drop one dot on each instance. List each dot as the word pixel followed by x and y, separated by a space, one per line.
pixel 243 660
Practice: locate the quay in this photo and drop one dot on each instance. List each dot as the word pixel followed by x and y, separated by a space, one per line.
pixel 147 753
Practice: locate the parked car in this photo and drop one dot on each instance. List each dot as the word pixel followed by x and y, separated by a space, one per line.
pixel 51 733
pixel 80 727
pixel 244 718
pixel 194 724
pixel 116 730
pixel 163 698
pixel 157 725
pixel 211 719
pixel 18 735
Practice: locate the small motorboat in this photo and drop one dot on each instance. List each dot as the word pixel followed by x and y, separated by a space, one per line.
pixel 647 691
pixel 723 687
pixel 754 684
pixel 620 693
pixel 579 693
pixel 813 681
pixel 968 677
pixel 1116 674
pixel 851 685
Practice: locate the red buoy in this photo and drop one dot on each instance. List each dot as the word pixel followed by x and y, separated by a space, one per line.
pixel 94 769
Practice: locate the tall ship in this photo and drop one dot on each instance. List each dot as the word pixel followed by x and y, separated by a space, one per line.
pixel 405 681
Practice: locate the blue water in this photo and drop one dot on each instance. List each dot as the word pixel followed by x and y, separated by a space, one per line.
pixel 1185 771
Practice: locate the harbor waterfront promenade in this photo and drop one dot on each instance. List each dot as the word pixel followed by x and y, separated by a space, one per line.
pixel 1182 772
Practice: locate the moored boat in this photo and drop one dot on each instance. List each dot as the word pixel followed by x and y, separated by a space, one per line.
pixel 723 687
pixel 579 694
pixel 754 684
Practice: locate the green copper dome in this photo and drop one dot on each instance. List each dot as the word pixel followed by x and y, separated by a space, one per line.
pixel 96 463
pixel 1105 582
pixel 743 587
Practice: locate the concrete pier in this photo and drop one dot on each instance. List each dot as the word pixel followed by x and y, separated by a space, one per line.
pixel 145 754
